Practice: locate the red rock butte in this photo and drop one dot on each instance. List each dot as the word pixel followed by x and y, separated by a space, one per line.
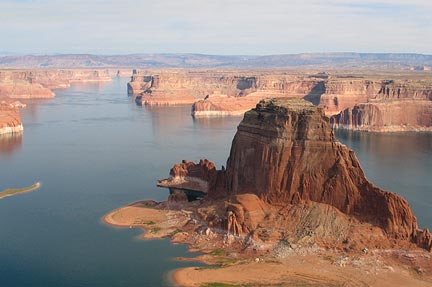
pixel 284 156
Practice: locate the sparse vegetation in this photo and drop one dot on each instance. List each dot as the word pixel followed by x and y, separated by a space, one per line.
pixel 218 284
pixel 149 222
pixel 218 252
pixel 227 261
pixel 176 231
pixel 155 229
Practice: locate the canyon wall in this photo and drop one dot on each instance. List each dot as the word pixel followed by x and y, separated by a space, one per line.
pixel 53 79
pixel 388 116
pixel 10 120
pixel 403 105
pixel 217 90
pixel 345 93
pixel 362 101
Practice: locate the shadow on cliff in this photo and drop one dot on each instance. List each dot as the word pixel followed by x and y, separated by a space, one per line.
pixel 314 96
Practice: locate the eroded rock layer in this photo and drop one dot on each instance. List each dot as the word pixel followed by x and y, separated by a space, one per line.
pixel 188 175
pixel 287 173
pixel 395 106
pixel 35 84
pixel 362 101
pixel 388 116
pixel 10 120
pixel 223 90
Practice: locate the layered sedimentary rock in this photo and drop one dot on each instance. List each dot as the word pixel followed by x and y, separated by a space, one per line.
pixel 20 89
pixel 224 91
pixel 287 173
pixel 29 84
pixel 189 175
pixel 396 106
pixel 379 97
pixel 224 105
pixel 10 120
pixel 388 116
pixel 54 79
pixel 345 93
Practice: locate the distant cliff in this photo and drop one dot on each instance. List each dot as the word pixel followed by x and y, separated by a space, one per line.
pixel 388 106
pixel 362 101
pixel 10 120
pixel 52 78
pixel 215 91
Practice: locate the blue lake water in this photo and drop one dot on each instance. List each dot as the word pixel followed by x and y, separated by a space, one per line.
pixel 95 150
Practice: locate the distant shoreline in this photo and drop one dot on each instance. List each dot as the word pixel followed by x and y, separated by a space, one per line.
pixel 14 191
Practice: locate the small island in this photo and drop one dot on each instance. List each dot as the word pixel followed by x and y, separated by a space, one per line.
pixel 15 191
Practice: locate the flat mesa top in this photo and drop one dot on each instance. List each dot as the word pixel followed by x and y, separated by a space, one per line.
pixel 290 104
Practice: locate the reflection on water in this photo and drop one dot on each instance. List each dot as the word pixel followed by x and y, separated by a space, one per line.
pixel 10 143
pixel 398 162
pixel 177 133
pixel 216 122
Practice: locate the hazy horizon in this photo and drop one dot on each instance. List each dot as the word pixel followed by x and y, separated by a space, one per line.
pixel 9 53
pixel 221 27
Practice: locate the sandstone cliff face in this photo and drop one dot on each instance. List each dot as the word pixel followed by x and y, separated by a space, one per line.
pixel 285 152
pixel 286 173
pixel 403 90
pixel 345 93
pixel 396 106
pixel 191 176
pixel 24 90
pixel 10 120
pixel 190 86
pixel 287 177
pixel 388 116
pixel 229 93
pixel 27 84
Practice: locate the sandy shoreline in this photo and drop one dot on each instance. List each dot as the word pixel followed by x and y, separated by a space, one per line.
pixel 304 266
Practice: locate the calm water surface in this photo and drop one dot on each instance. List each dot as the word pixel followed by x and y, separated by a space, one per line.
pixel 94 150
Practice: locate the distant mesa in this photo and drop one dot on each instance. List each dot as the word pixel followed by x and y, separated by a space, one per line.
pixel 218 93
pixel 366 101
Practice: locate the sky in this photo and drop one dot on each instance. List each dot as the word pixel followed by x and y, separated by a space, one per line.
pixel 220 27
